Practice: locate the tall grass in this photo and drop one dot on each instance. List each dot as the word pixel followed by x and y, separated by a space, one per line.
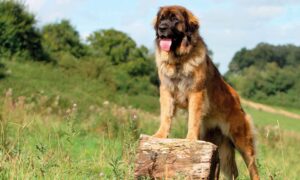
pixel 39 142
pixel 40 139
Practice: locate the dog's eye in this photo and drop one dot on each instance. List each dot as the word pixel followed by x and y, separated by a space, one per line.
pixel 162 17
pixel 174 18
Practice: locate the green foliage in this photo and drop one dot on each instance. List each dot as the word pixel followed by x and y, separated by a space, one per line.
pixel 262 54
pixel 267 74
pixel 116 45
pixel 268 82
pixel 121 50
pixel 18 35
pixel 2 69
pixel 132 68
pixel 111 57
pixel 62 37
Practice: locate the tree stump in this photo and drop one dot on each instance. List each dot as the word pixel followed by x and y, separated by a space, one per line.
pixel 176 159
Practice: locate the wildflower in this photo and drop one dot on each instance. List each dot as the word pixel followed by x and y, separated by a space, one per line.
pixel 101 174
pixel 105 103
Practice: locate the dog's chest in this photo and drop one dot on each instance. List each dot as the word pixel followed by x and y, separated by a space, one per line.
pixel 178 80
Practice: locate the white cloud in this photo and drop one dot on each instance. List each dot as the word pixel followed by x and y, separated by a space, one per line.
pixel 53 10
pixel 62 1
pixel 140 32
pixel 246 23
pixel 144 6
pixel 35 5
pixel 256 3
pixel 265 11
pixel 53 16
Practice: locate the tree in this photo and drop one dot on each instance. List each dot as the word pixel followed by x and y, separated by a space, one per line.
pixel 267 73
pixel 122 51
pixel 240 60
pixel 62 37
pixel 262 54
pixel 18 34
pixel 133 68
pixel 116 45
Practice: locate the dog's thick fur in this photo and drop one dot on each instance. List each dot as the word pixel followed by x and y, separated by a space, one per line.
pixel 190 80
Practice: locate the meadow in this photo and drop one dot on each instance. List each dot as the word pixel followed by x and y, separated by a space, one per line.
pixel 59 125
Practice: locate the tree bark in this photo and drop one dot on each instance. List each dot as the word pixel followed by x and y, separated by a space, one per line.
pixel 176 158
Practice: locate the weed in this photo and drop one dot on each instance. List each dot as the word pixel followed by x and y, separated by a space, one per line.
pixel 116 165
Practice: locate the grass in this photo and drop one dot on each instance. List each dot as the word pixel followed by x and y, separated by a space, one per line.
pixel 54 125
pixel 59 146
pixel 72 87
pixel 262 118
pixel 290 109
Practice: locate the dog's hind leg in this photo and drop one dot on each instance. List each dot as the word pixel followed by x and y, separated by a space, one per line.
pixel 243 139
pixel 227 159
pixel 226 152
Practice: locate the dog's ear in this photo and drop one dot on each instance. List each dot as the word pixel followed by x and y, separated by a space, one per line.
pixel 192 21
pixel 155 20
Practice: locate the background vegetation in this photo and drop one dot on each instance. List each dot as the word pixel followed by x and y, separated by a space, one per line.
pixel 267 73
pixel 74 110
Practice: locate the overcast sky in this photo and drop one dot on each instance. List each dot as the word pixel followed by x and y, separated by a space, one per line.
pixel 226 25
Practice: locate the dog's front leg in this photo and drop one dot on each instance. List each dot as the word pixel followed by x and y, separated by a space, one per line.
pixel 167 110
pixel 195 110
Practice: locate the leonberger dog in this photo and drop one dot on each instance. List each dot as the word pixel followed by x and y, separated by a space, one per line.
pixel 190 80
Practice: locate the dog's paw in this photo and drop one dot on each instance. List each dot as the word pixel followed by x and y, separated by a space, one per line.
pixel 192 137
pixel 160 135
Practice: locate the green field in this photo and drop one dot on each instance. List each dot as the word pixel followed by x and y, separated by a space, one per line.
pixel 54 125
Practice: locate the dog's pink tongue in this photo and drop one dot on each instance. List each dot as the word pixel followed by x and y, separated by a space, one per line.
pixel 165 44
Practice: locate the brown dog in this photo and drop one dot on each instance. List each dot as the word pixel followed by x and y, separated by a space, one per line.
pixel 190 80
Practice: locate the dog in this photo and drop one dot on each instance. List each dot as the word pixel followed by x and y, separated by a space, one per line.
pixel 190 80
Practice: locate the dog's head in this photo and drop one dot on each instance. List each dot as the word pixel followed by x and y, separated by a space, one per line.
pixel 176 29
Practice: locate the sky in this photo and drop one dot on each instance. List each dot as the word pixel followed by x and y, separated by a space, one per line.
pixel 226 25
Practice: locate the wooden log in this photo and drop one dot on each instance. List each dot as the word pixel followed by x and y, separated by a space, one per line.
pixel 176 159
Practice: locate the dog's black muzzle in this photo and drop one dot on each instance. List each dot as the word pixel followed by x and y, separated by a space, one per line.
pixel 165 29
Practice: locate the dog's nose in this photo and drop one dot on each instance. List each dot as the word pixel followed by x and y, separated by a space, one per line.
pixel 163 26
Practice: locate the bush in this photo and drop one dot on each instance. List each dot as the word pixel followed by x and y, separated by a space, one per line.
pixel 66 60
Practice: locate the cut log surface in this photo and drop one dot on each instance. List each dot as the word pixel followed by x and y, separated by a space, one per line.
pixel 176 159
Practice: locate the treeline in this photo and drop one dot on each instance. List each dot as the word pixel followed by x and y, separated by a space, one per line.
pixel 267 73
pixel 108 55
